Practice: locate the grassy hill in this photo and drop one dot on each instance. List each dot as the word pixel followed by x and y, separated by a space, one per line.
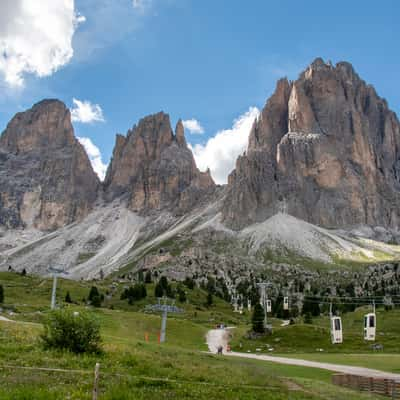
pixel 132 368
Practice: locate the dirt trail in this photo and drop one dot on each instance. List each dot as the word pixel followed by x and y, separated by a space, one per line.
pixel 346 369
pixel 220 337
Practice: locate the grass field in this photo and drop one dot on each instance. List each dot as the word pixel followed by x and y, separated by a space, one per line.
pixel 134 369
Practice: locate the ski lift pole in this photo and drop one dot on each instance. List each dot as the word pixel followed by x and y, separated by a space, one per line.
pixel 263 299
pixel 53 292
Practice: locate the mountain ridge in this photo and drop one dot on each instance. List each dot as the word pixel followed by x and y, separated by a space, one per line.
pixel 325 150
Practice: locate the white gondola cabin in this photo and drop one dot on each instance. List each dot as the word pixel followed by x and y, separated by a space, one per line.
pixel 269 306
pixel 369 326
pixel 286 303
pixel 336 330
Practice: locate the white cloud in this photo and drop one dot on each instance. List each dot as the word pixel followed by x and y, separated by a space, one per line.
pixel 221 151
pixel 94 155
pixel 86 112
pixel 193 126
pixel 140 4
pixel 35 37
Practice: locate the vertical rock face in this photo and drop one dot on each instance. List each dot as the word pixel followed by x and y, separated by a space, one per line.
pixel 155 169
pixel 46 179
pixel 325 149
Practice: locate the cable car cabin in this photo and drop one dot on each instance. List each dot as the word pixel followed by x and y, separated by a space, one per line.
pixel 369 326
pixel 336 330
pixel 269 306
pixel 286 303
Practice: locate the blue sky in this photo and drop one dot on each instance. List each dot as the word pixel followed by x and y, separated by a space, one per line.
pixel 209 60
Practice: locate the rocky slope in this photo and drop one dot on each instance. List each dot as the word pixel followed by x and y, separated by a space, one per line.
pixel 46 179
pixel 155 169
pixel 325 149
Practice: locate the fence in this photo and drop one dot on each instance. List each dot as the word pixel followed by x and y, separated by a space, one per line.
pixel 382 386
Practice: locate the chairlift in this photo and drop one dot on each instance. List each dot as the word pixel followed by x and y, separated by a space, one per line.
pixel 269 306
pixel 370 325
pixel 286 303
pixel 336 330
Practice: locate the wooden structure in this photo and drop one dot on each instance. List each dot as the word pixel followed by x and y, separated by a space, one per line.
pixel 378 385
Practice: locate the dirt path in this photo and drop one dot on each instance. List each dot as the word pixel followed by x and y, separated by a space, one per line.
pixel 346 369
pixel 218 337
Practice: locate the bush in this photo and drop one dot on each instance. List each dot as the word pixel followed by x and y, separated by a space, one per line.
pixel 79 333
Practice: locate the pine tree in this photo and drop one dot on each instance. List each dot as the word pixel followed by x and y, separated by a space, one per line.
pixel 147 278
pixel 210 300
pixel 94 297
pixel 181 294
pixel 68 298
pixel 308 318
pixel 257 319
pixel 93 293
pixel 158 290
pixel 1 294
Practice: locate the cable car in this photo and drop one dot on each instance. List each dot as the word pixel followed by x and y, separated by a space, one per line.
pixel 336 330
pixel 369 326
pixel 269 306
pixel 286 303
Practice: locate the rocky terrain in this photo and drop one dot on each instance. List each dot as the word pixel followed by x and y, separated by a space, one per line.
pixel 316 190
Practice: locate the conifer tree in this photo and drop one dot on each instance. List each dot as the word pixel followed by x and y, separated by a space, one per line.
pixel 257 319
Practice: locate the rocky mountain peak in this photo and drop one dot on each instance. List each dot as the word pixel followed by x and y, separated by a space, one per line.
pixel 46 179
pixel 46 125
pixel 180 133
pixel 326 148
pixel 155 169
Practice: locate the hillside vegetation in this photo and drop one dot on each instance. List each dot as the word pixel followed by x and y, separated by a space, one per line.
pixel 133 368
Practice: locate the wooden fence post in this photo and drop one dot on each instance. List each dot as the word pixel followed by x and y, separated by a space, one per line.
pixel 96 381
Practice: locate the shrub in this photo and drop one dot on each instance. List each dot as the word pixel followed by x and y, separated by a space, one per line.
pixel 65 329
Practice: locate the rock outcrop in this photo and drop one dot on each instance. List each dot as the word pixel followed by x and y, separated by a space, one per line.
pixel 326 149
pixel 46 179
pixel 155 170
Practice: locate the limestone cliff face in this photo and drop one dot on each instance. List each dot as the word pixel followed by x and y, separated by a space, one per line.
pixel 46 179
pixel 155 170
pixel 326 149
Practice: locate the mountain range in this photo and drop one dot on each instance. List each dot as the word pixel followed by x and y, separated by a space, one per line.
pixel 319 181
